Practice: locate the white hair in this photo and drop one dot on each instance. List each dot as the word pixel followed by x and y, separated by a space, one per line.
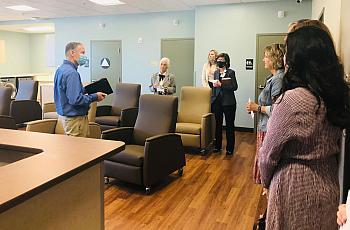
pixel 165 59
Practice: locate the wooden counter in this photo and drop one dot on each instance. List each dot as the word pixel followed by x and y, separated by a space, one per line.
pixel 66 167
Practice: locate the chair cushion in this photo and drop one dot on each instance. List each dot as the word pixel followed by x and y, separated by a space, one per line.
pixel 190 128
pixel 132 155
pixel 108 120
pixel 50 115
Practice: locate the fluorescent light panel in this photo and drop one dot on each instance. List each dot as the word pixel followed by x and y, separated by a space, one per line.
pixel 39 28
pixel 21 8
pixel 107 2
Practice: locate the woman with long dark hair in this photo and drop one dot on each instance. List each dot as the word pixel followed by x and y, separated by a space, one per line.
pixel 298 159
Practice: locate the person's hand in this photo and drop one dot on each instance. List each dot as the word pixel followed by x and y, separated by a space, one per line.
pixel 341 215
pixel 217 84
pixel 251 107
pixel 100 96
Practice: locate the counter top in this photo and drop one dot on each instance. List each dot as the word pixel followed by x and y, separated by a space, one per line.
pixel 61 158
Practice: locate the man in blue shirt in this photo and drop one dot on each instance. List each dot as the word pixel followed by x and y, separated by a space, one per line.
pixel 72 104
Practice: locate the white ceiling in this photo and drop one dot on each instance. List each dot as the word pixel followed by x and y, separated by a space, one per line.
pixel 73 8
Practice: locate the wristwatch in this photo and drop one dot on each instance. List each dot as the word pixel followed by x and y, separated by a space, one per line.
pixel 259 108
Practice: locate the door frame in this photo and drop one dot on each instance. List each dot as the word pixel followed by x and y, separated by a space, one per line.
pixel 120 80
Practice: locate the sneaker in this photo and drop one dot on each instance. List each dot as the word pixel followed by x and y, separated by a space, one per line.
pixel 229 152
pixel 216 150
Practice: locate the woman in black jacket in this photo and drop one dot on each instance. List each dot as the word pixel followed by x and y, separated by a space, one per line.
pixel 223 101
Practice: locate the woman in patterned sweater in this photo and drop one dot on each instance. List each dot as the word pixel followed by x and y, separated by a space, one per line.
pixel 298 159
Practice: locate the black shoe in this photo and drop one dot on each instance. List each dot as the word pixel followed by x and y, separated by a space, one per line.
pixel 216 150
pixel 229 153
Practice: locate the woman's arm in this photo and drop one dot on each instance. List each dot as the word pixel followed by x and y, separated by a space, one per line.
pixel 283 126
pixel 234 86
pixel 204 76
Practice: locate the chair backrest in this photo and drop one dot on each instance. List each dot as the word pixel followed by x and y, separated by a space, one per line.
pixel 5 100
pixel 194 103
pixel 27 90
pixel 125 96
pixel 157 115
pixel 7 122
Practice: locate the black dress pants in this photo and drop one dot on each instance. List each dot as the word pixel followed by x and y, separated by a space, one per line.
pixel 230 113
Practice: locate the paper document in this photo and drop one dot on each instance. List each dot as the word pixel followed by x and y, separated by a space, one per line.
pixel 213 81
pixel 346 226
pixel 251 113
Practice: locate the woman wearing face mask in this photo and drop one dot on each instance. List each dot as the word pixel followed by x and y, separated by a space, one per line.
pixel 209 68
pixel 273 61
pixel 223 101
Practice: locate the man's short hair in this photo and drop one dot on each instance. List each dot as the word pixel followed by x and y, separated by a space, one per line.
pixel 71 46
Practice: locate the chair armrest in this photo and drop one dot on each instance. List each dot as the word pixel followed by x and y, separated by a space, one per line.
pixel 25 110
pixel 119 134
pixel 163 155
pixel 94 130
pixel 207 129
pixel 92 112
pixel 49 107
pixel 103 110
pixel 42 126
pixel 128 117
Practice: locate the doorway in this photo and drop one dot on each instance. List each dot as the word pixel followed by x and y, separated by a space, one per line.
pixel 180 51
pixel 106 62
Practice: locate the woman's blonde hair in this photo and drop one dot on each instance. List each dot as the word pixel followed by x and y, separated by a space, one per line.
pixel 276 52
pixel 216 55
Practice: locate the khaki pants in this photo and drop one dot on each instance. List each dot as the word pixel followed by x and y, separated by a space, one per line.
pixel 75 126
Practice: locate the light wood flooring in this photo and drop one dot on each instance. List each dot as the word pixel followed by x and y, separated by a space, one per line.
pixel 215 192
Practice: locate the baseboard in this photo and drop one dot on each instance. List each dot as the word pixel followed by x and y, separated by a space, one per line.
pixel 242 129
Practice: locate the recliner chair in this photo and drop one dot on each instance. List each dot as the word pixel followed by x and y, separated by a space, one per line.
pixel 54 127
pixel 25 107
pixel 195 123
pixel 123 111
pixel 5 100
pixel 7 122
pixel 152 150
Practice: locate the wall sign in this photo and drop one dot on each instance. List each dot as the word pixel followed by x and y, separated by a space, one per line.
pixel 249 64
pixel 105 63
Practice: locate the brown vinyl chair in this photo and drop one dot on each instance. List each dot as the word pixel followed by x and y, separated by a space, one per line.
pixel 7 122
pixel 54 127
pixel 123 111
pixel 152 150
pixel 5 100
pixel 25 107
pixel 195 123
pixel 27 90
pixel 49 111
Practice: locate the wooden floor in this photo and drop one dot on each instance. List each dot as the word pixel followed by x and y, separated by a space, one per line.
pixel 215 192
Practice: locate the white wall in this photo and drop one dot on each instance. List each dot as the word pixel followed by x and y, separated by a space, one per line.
pixel 16 53
pixel 39 54
pixel 332 12
pixel 233 29
pixel 24 53
pixel 345 36
pixel 139 61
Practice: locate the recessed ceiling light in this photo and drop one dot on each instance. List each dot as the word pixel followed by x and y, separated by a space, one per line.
pixel 107 2
pixel 21 8
pixel 39 29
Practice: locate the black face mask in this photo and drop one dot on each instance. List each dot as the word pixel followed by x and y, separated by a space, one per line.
pixel 221 64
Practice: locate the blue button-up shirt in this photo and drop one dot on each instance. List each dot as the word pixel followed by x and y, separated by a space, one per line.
pixel 271 90
pixel 69 93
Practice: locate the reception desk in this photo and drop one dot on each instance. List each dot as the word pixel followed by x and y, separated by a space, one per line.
pixel 52 181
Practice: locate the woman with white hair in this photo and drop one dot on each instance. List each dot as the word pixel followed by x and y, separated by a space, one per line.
pixel 163 82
